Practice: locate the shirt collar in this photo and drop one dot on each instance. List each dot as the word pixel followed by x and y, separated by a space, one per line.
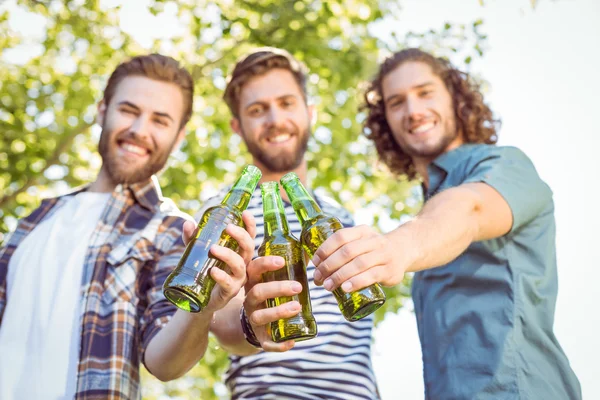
pixel 439 168
pixel 448 160
pixel 147 193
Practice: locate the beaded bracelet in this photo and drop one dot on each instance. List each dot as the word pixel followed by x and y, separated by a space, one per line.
pixel 247 329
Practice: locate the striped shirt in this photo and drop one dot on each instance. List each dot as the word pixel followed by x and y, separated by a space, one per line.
pixel 334 365
pixel 135 245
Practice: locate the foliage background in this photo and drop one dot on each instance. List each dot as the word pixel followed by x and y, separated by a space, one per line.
pixel 48 102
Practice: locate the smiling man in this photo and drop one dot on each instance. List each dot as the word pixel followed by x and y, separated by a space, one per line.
pixel 267 96
pixel 81 301
pixel 482 248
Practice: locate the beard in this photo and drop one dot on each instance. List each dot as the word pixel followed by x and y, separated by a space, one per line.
pixel 432 150
pixel 282 161
pixel 119 170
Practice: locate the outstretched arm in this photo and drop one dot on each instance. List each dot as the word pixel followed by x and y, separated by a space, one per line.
pixel 183 341
pixel 448 223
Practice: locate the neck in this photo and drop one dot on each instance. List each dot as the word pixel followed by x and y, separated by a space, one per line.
pixel 421 163
pixel 268 175
pixel 103 183
pixel 421 167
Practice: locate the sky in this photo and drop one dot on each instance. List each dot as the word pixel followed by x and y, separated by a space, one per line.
pixel 542 67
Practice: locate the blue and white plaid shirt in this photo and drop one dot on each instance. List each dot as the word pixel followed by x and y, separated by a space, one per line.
pixel 135 245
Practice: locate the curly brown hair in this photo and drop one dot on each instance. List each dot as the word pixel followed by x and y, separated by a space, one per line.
pixel 474 119
pixel 259 62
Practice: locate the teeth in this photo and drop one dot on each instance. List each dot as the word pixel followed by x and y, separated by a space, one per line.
pixel 134 149
pixel 423 128
pixel 280 138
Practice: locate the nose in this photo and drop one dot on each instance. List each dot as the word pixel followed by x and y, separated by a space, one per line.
pixel 275 116
pixel 139 127
pixel 415 108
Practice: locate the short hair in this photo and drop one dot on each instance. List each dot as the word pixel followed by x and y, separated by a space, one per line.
pixel 259 62
pixel 474 119
pixel 157 67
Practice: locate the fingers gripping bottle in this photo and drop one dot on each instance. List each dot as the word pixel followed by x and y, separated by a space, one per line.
pixel 189 286
pixel 316 228
pixel 278 241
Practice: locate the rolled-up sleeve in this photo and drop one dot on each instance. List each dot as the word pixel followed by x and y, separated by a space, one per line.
pixel 509 171
pixel 170 247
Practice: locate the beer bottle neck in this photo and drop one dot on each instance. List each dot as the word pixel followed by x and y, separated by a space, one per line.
pixel 241 192
pixel 273 210
pixel 305 206
pixel 237 198
pixel 306 209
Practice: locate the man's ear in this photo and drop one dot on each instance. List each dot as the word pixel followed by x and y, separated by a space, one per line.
pixel 180 137
pixel 312 114
pixel 235 125
pixel 101 112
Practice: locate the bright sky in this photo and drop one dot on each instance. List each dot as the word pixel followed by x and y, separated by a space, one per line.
pixel 542 66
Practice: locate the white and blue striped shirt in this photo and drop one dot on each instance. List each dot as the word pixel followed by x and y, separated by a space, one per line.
pixel 334 365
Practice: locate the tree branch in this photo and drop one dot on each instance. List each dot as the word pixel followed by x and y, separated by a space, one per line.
pixel 62 146
pixel 197 69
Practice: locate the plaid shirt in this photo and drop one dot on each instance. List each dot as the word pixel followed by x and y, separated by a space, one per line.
pixel 135 245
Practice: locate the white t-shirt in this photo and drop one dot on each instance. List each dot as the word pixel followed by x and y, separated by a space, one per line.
pixel 40 331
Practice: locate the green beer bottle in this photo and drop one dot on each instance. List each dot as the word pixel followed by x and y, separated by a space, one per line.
pixel 278 241
pixel 316 228
pixel 189 286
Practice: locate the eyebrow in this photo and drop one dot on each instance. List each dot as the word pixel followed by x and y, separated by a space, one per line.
pixel 157 113
pixel 283 97
pixel 419 86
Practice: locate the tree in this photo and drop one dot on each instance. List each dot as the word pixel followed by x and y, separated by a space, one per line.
pixel 47 105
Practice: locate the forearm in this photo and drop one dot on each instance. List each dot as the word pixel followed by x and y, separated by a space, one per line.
pixel 445 227
pixel 228 330
pixel 179 345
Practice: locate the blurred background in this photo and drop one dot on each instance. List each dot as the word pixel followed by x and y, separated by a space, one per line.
pixel 537 61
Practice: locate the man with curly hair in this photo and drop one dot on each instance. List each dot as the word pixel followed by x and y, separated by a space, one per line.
pixel 482 248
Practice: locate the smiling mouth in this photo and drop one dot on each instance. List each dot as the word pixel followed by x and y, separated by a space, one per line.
pixel 133 148
pixel 423 128
pixel 281 138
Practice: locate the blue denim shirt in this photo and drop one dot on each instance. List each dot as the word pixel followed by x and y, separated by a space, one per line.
pixel 485 319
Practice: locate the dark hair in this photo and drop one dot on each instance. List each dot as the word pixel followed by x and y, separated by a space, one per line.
pixel 474 119
pixel 259 62
pixel 157 67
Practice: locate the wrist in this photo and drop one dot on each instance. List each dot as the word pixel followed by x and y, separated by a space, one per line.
pixel 247 330
pixel 402 238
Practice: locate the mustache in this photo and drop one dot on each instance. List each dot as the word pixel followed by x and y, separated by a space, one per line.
pixel 135 139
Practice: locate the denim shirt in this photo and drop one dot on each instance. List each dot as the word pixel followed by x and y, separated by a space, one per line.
pixel 485 319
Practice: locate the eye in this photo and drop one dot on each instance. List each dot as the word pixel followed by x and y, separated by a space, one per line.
pixel 255 111
pixel 395 102
pixel 287 103
pixel 127 111
pixel 426 93
pixel 161 122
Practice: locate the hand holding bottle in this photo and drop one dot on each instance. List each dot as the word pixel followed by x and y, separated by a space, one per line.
pixel 258 292
pixel 190 285
pixel 228 284
pixel 317 227
pixel 354 258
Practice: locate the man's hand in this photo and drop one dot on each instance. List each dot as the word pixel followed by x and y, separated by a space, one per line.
pixel 228 285
pixel 257 293
pixel 357 257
